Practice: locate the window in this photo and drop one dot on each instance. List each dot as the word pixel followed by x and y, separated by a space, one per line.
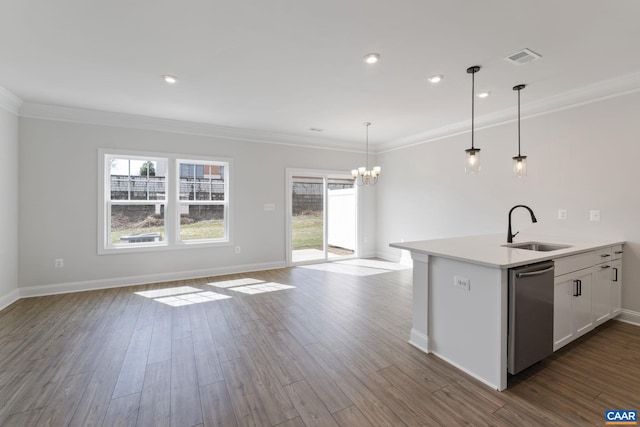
pixel 153 202
pixel 203 200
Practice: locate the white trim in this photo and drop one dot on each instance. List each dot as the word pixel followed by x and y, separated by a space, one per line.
pixel 629 316
pixel 595 92
pixel 419 340
pixel 9 101
pixel 8 299
pixel 171 203
pixel 91 285
pixel 573 98
pixel 122 120
pixel 324 174
pixel 466 371
pixel 401 256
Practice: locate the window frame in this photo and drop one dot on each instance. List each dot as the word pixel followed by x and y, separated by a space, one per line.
pixel 180 202
pixel 171 202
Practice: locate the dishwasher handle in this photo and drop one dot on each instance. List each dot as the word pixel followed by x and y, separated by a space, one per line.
pixel 535 273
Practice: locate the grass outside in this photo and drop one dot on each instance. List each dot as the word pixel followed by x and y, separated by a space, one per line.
pixel 307 231
pixel 212 229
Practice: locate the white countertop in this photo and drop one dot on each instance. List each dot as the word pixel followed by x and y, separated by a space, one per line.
pixel 488 250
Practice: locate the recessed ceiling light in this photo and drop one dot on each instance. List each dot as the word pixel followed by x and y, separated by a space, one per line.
pixel 371 58
pixel 483 94
pixel 170 79
pixel 436 79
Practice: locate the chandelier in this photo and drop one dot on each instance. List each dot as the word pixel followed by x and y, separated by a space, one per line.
pixel 363 175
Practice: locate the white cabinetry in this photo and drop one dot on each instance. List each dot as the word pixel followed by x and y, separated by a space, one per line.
pixel 587 293
pixel 602 288
pixel 616 281
pixel 601 303
pixel 572 306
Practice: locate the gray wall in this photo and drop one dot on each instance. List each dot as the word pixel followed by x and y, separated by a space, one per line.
pixel 580 159
pixel 61 221
pixel 9 211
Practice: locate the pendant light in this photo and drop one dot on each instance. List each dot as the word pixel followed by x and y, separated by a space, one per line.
pixel 362 175
pixel 519 161
pixel 472 155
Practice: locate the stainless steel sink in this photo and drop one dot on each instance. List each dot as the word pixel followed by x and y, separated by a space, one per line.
pixel 537 246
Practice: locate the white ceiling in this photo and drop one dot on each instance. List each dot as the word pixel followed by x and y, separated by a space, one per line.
pixel 280 67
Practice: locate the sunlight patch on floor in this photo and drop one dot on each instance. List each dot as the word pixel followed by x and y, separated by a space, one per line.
pixel 235 282
pixel 358 267
pixel 250 286
pixel 166 292
pixel 188 299
pixel 262 288
pixel 181 295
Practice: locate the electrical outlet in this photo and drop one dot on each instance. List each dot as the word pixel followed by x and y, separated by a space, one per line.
pixel 238 249
pixel 594 215
pixel 59 263
pixel 562 214
pixel 462 283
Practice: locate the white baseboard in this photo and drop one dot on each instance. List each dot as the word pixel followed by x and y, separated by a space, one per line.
pixel 468 372
pixel 419 340
pixel 8 299
pixel 91 285
pixel 395 255
pixel 629 316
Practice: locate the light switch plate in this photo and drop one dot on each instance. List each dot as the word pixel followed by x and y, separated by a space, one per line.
pixel 562 214
pixel 594 215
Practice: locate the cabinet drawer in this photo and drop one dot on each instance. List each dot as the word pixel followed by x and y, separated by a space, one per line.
pixel 572 263
pixel 603 254
pixel 616 252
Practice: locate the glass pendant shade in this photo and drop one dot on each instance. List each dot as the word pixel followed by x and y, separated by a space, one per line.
pixel 472 160
pixel 519 161
pixel 520 166
pixel 472 155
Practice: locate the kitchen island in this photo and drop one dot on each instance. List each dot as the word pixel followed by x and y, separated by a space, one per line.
pixel 460 296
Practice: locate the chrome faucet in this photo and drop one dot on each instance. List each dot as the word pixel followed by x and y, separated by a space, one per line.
pixel 533 219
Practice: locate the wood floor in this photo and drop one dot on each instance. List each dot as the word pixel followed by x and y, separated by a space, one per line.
pixel 330 352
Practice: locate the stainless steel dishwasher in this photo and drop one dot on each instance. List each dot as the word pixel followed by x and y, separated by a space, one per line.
pixel 530 333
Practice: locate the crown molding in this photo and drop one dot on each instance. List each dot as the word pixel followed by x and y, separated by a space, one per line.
pixel 132 121
pixel 570 99
pixel 9 101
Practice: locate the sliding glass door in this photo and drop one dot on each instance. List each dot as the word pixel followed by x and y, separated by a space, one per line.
pixel 322 216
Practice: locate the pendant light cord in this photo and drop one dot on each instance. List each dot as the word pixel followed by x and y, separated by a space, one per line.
pixel 473 91
pixel 367 124
pixel 519 123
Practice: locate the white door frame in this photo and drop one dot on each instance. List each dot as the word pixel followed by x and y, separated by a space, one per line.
pixel 325 174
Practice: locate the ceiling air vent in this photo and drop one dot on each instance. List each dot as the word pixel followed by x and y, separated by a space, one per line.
pixel 522 57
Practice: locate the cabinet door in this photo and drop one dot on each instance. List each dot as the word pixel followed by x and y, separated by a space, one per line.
pixel 563 295
pixel 602 293
pixel 616 287
pixel 582 316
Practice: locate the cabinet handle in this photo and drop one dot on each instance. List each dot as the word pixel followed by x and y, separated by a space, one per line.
pixel 578 288
pixel 605 266
pixel 617 252
pixel 615 277
pixel 605 255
